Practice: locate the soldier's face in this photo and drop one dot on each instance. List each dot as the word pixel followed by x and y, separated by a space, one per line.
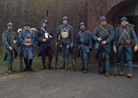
pixel 45 25
pixel 65 21
pixel 82 27
pixel 26 27
pixel 103 22
pixel 124 23
pixel 10 28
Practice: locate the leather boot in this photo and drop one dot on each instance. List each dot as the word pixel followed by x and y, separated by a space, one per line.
pixel 62 67
pixel 102 70
pixel 107 73
pixel 50 68
pixel 85 71
pixel 129 75
pixel 66 67
pixel 30 64
pixel 44 67
pixel 121 73
pixel 9 71
pixel 82 69
pixel 26 63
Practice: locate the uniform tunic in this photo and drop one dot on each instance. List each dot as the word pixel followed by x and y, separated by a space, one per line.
pixel 65 43
pixel 40 41
pixel 28 52
pixel 83 50
pixel 98 45
pixel 121 47
pixel 7 38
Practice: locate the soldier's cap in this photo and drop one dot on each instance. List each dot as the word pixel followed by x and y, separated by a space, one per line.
pixel 103 18
pixel 26 24
pixel 45 21
pixel 123 18
pixel 9 24
pixel 81 24
pixel 65 18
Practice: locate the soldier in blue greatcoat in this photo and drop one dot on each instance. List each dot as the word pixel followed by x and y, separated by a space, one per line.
pixel 123 39
pixel 84 45
pixel 65 38
pixel 44 37
pixel 10 41
pixel 27 40
pixel 103 35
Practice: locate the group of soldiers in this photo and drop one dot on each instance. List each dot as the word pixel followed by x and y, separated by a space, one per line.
pixel 123 38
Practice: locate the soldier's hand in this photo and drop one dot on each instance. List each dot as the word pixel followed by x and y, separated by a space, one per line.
pixel 50 36
pixel 99 39
pixel 44 40
pixel 10 48
pixel 104 42
pixel 71 45
pixel 135 48
pixel 74 49
pixel 56 43
pixel 115 50
pixel 14 42
pixel 26 44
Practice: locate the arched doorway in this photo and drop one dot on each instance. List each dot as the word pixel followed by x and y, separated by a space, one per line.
pixel 128 8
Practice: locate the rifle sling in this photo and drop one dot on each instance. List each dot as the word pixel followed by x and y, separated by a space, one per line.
pixel 105 30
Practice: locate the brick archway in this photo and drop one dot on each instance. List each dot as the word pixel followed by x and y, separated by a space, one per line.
pixel 98 8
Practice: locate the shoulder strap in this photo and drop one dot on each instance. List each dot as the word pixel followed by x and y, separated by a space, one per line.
pixel 27 34
pixel 81 36
pixel 127 33
pixel 87 34
pixel 121 37
pixel 22 33
pixel 68 29
pixel 105 30
pixel 61 28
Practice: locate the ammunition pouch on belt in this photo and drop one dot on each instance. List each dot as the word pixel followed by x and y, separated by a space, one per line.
pixel 27 40
pixel 128 42
pixel 133 42
pixel 105 38
pixel 84 43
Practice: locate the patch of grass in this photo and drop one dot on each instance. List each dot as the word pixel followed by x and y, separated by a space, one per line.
pixel 37 65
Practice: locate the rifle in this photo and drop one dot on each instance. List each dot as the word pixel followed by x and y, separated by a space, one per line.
pixel 44 52
pixel 14 61
pixel 115 60
pixel 56 57
pixel 101 60
pixel 74 53
pixel 21 59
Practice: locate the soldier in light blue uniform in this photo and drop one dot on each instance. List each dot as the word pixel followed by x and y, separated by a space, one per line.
pixel 65 38
pixel 84 44
pixel 124 34
pixel 10 41
pixel 103 35
pixel 27 39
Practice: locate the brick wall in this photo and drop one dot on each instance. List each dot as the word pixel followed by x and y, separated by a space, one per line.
pixel 98 8
pixel 34 11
